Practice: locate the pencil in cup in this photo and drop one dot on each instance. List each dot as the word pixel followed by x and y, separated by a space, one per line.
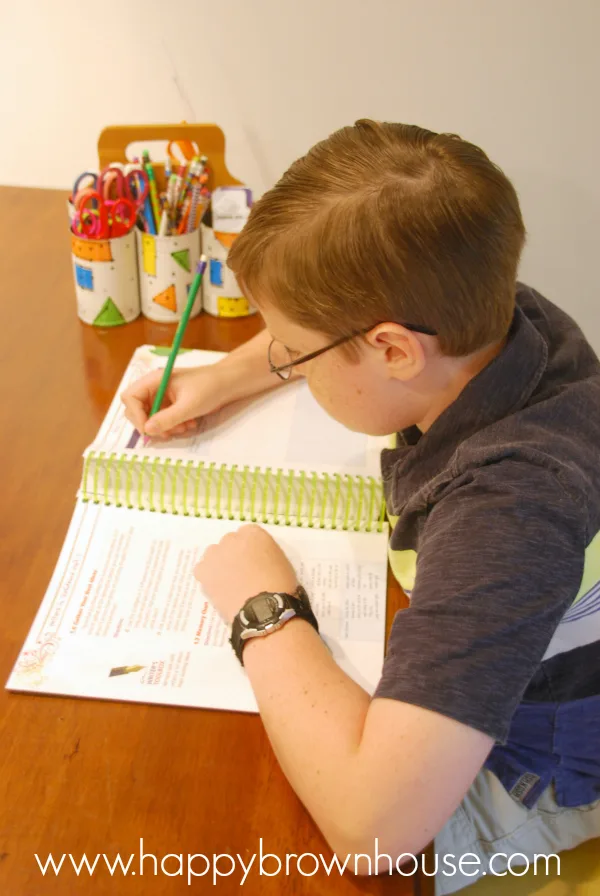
pixel 183 221
pixel 196 283
pixel 153 191
pixel 198 204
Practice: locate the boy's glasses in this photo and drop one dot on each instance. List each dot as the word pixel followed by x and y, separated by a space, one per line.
pixel 281 358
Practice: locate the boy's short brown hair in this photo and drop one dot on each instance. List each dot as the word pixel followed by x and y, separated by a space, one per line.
pixel 383 222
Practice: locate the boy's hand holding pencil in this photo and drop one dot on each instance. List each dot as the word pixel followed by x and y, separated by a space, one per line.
pixel 135 398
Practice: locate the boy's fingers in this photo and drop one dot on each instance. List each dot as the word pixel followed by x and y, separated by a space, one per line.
pixel 181 429
pixel 164 421
pixel 136 413
pixel 145 387
pixel 130 418
pixel 138 399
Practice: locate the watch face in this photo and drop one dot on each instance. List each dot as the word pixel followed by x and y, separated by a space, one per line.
pixel 262 611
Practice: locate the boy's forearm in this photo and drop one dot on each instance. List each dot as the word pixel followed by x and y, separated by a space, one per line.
pixel 246 368
pixel 314 715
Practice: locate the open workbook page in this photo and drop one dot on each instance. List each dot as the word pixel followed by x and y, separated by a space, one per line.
pixel 124 618
pixel 285 428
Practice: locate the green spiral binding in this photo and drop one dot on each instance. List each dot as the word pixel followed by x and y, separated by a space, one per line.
pixel 222 471
pixel 313 497
pixel 186 477
pixel 145 458
pixel 120 462
pixel 107 471
pixel 265 495
pixel 199 469
pixel 300 498
pixel 174 489
pixel 382 514
pixel 152 475
pixel 130 466
pixel 253 493
pixel 348 504
pixel 96 474
pixel 86 468
pixel 242 492
pixel 288 498
pixel 361 496
pixel 325 499
pixel 230 491
pixel 209 473
pixel 163 481
pixel 336 498
pixel 371 505
pixel 277 491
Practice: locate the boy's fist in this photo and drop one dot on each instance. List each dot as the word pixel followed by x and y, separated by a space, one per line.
pixel 243 564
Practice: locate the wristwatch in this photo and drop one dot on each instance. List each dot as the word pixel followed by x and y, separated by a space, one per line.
pixel 266 613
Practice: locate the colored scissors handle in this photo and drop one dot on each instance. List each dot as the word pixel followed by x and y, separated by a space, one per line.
pixel 122 215
pixel 185 147
pixel 86 223
pixel 93 215
pixel 82 177
pixel 111 183
pixel 136 186
pixel 83 224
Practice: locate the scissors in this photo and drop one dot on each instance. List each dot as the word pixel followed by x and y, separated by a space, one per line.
pixel 187 149
pixel 131 179
pixel 91 176
pixel 130 183
pixel 111 208
pixel 99 218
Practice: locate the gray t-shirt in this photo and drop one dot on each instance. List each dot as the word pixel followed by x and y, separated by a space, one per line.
pixel 500 499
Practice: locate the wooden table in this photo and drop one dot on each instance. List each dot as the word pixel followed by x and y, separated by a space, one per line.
pixel 83 776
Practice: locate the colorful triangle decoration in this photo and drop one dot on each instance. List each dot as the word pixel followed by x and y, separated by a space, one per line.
pixel 182 257
pixel 109 315
pixel 226 239
pixel 167 299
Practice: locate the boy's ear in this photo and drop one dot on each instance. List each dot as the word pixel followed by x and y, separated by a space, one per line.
pixel 401 350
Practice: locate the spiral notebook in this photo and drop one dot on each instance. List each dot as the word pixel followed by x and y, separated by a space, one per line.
pixel 123 617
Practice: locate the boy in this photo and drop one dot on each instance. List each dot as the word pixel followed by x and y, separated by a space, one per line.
pixel 384 263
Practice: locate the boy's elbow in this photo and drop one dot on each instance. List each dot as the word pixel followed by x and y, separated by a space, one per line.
pixel 363 851
pixel 347 840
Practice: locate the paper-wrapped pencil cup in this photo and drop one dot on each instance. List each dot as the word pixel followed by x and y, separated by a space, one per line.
pixel 166 270
pixel 106 279
pixel 221 294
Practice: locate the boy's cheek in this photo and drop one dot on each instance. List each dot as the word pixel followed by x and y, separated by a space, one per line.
pixel 344 403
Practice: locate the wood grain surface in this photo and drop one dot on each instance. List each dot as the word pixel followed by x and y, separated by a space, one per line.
pixel 84 776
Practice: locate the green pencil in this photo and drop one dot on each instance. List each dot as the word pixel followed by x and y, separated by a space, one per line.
pixel 158 398
pixel 152 189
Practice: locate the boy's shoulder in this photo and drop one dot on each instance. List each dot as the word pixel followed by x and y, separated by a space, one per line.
pixel 548 391
pixel 568 357
pixel 533 412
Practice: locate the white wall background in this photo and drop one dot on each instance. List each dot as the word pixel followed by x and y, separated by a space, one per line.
pixel 519 77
